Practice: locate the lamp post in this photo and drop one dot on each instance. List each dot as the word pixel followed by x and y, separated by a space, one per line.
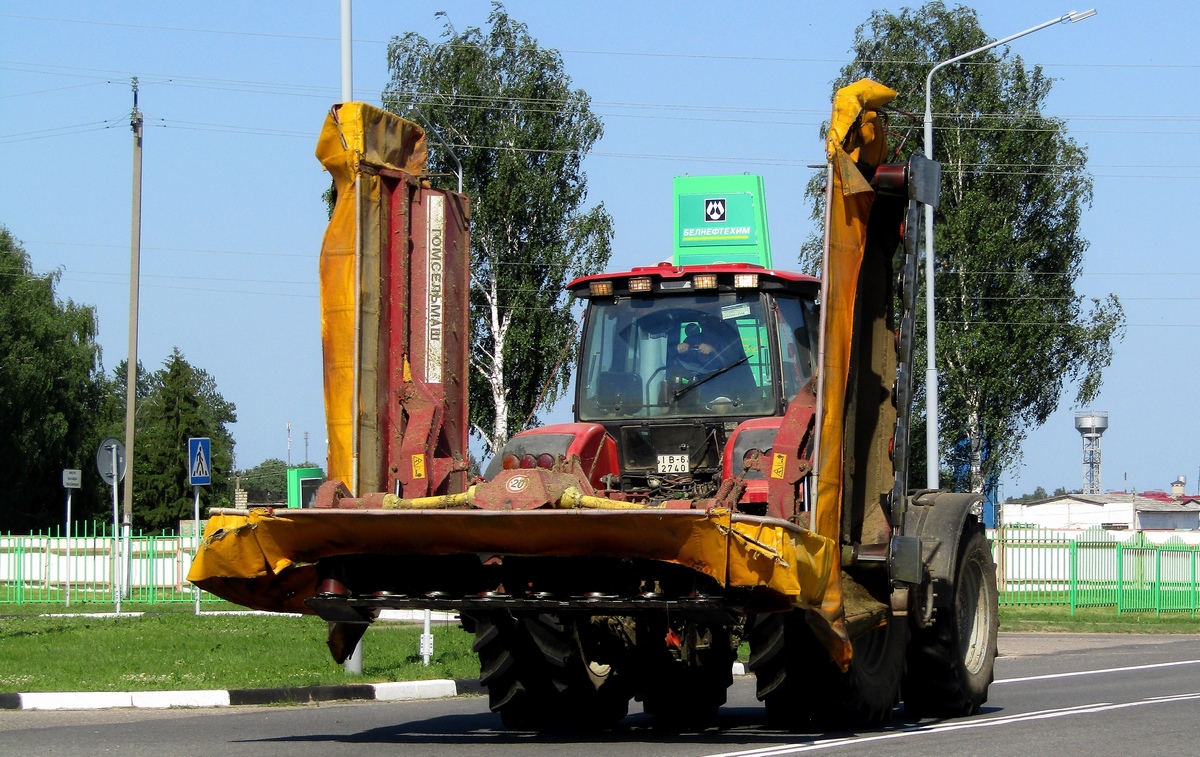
pixel 931 381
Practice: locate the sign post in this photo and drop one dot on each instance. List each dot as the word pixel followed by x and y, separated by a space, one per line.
pixel 72 479
pixel 200 474
pixel 110 462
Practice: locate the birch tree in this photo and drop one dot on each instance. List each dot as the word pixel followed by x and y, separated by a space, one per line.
pixel 505 106
pixel 1013 333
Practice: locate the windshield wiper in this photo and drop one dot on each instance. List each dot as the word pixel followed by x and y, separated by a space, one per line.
pixel 680 392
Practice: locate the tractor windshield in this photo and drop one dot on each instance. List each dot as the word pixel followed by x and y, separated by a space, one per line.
pixel 734 353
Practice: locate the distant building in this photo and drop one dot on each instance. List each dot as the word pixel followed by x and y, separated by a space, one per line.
pixel 1115 511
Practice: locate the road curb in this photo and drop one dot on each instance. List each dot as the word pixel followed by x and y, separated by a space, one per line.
pixel 395 691
pixel 107 700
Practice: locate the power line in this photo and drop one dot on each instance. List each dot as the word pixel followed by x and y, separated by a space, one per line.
pixel 204 289
pixel 631 53
pixel 190 278
pixel 1081 273
pixel 1064 325
pixel 179 249
pixel 61 131
pixel 52 89
pixel 151 27
pixel 227 129
pixel 424 98
pixel 1035 298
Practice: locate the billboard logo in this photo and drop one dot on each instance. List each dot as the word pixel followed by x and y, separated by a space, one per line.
pixel 714 210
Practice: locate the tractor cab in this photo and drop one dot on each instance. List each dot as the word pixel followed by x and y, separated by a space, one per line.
pixel 674 358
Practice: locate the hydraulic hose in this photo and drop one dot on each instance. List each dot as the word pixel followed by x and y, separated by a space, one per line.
pixel 443 502
pixel 573 498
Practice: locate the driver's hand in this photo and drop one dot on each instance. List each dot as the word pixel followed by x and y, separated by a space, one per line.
pixel 683 347
pixel 706 349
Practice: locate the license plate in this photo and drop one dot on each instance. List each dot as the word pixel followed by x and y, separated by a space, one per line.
pixel 672 463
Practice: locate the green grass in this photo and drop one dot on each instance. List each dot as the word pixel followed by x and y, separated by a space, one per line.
pixel 169 648
pixel 1094 620
pixel 58 608
pixel 176 650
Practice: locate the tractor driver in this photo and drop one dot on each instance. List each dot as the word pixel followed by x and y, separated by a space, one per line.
pixel 709 343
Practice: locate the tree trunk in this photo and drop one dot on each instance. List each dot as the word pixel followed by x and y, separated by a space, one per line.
pixel 975 439
pixel 495 376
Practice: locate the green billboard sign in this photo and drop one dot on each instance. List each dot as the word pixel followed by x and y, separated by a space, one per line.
pixel 721 219
pixel 724 218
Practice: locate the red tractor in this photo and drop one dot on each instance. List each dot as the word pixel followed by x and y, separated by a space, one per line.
pixel 737 468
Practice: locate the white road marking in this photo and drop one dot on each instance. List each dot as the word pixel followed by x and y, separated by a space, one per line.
pixel 1087 709
pixel 1096 672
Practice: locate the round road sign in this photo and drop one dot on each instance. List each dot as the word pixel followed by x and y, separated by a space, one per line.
pixel 104 460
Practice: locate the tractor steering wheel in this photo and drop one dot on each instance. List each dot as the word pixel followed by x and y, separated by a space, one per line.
pixel 695 361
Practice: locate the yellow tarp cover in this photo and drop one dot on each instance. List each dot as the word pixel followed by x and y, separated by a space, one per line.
pixel 265 559
pixel 357 135
pixel 855 136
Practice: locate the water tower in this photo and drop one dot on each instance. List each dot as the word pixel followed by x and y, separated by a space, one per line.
pixel 1091 426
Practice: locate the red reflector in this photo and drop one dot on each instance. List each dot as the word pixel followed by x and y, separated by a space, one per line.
pixel 528 461
pixel 545 460
pixel 673 639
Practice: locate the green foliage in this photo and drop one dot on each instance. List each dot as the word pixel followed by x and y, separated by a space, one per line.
pixel 1012 330
pixel 266 482
pixel 182 402
pixel 50 392
pixel 506 108
pixel 1038 495
pixel 56 405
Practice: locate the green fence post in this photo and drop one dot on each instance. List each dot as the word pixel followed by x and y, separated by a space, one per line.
pixel 1073 553
pixel 1120 577
pixel 20 570
pixel 149 572
pixel 1192 565
pixel 1158 580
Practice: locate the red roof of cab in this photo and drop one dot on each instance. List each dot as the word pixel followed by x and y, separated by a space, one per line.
pixel 668 270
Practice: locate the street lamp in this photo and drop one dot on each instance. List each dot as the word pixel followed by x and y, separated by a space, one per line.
pixel 931 380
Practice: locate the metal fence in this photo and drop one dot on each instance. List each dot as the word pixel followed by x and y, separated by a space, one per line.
pixel 1096 568
pixel 52 568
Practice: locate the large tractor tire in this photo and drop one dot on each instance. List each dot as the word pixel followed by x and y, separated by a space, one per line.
pixel 686 693
pixel 803 689
pixel 538 678
pixel 952 662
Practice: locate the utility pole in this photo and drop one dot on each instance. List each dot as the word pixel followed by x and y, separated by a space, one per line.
pixel 289 432
pixel 354 663
pixel 135 254
pixel 306 446
pixel 347 68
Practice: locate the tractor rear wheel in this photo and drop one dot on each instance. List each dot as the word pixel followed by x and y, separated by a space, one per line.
pixel 538 678
pixel 952 662
pixel 802 688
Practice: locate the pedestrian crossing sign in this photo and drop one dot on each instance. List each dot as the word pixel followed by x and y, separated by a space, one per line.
pixel 200 461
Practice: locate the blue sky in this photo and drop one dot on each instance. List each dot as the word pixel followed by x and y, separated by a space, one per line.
pixel 234 95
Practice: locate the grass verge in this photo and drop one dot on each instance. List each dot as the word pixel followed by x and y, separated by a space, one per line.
pixel 175 650
pixel 169 648
pixel 1058 619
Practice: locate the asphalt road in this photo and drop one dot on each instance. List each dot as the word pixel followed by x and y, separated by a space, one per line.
pixel 1061 695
